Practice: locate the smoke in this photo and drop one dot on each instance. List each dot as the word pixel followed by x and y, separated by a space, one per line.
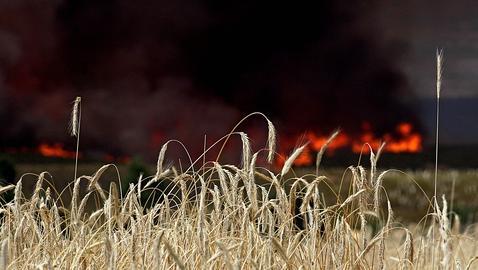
pixel 147 119
pixel 150 71
pixel 313 66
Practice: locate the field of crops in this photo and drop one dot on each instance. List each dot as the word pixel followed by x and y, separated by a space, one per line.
pixel 239 216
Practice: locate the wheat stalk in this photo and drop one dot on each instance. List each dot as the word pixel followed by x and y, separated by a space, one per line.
pixel 271 141
pixel 4 255
pixel 290 161
pixel 322 150
pixel 75 126
pixel 160 172
pixel 439 59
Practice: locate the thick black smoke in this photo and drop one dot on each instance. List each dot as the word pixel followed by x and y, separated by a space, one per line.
pixel 151 70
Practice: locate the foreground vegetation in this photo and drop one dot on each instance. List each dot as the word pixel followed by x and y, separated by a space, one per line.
pixel 224 216
pixel 409 191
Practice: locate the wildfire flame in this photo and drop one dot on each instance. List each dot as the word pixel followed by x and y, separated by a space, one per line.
pixel 55 150
pixel 404 140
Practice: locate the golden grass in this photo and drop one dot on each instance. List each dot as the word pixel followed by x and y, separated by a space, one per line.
pixel 220 217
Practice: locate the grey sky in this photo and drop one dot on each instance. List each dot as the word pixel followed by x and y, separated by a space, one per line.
pixel 423 26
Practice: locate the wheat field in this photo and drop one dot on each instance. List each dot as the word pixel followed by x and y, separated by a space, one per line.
pixel 227 216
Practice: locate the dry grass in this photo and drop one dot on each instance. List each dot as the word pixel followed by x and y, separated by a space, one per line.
pixel 219 217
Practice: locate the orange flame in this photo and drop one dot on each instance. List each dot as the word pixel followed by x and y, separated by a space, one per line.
pixel 55 150
pixel 405 140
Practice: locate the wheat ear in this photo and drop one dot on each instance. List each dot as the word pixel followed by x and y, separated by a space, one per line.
pixel 75 128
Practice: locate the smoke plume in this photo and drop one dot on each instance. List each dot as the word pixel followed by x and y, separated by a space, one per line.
pixel 149 71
